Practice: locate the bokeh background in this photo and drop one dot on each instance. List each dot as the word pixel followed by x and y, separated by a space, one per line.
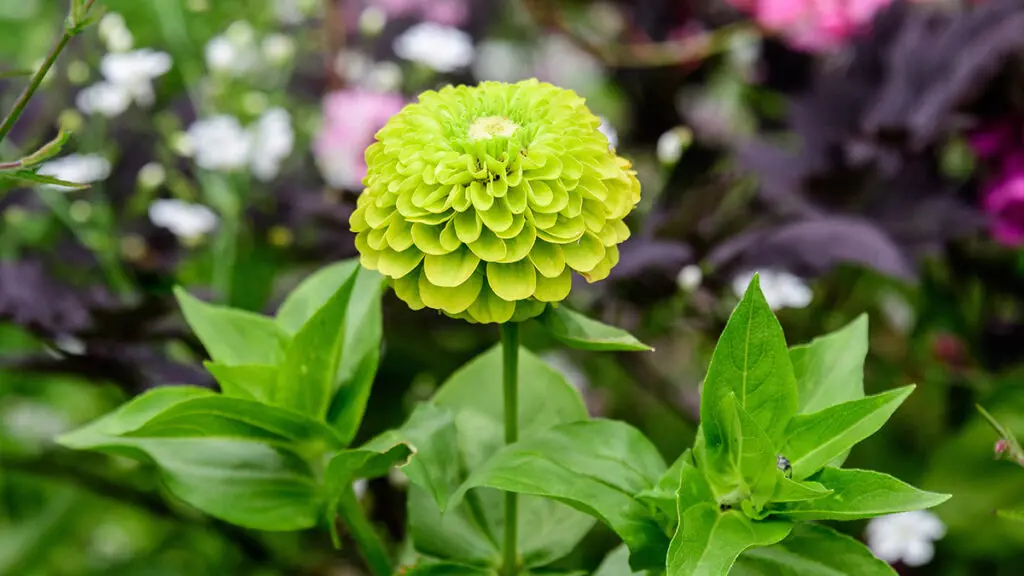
pixel 864 156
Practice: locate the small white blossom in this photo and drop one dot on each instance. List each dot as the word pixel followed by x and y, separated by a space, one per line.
pixel 272 141
pixel 233 53
pixel 906 537
pixel 690 278
pixel 781 289
pixel 104 98
pixel 77 168
pixel 609 132
pixel 278 49
pixel 219 143
pixel 134 72
pixel 114 33
pixel 442 48
pixel 183 219
pixel 671 145
pixel 372 20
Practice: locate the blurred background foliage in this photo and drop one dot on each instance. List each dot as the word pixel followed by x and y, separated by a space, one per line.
pixel 844 172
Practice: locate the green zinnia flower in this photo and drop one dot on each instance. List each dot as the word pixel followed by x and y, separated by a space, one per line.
pixel 481 201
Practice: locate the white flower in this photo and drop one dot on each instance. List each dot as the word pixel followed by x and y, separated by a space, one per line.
pixel 233 53
pixel 185 220
pixel 219 143
pixel 77 168
pixel 104 98
pixel 114 33
pixel 272 141
pixel 671 145
pixel 278 49
pixel 690 277
pixel 441 48
pixel 501 61
pixel 781 289
pixel 908 537
pixel 372 20
pixel 134 72
pixel 609 132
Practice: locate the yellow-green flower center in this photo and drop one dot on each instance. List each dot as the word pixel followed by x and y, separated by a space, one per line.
pixel 490 126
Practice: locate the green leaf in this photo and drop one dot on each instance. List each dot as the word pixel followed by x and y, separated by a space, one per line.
pixel 248 381
pixel 708 542
pixel 599 478
pixel 312 293
pixel 470 532
pixel 47 151
pixel 224 467
pixel 787 490
pixel 233 337
pixel 693 489
pixel 307 375
pixel 616 563
pixel 348 465
pixel 28 177
pixel 830 369
pixel 858 494
pixel 449 569
pixel 752 362
pixel 743 465
pixel 1011 514
pixel 814 440
pixel 812 550
pixel 578 331
pixel 662 496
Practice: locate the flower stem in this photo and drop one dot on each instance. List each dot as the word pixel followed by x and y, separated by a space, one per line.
pixel 369 543
pixel 510 385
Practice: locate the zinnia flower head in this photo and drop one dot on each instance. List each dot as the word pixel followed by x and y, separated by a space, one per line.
pixel 482 201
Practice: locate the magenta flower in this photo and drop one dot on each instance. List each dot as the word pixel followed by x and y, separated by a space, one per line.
pixel 812 25
pixel 447 12
pixel 994 138
pixel 1004 202
pixel 351 119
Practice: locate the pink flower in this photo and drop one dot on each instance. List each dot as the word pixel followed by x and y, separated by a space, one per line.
pixel 351 119
pixel 447 12
pixel 813 25
pixel 994 138
pixel 1004 202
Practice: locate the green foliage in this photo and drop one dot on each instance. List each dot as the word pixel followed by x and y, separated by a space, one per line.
pixel 577 331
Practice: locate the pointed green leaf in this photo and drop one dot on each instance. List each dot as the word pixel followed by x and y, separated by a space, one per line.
pixel 233 337
pixel 830 369
pixel 130 416
pixel 30 177
pixel 662 496
pixel 788 490
pixel 576 330
pixel 812 550
pixel 858 494
pixel 814 440
pixel 599 478
pixel 306 377
pixel 708 542
pixel 248 381
pixel 752 362
pixel 311 294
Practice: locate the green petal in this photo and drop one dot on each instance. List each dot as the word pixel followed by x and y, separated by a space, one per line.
pixel 604 267
pixel 450 270
pixel 559 196
pixel 497 188
pixel 428 239
pixel 519 246
pixel 368 257
pixel 377 217
pixel 377 238
pixel 449 239
pixel 515 281
pixel 516 200
pixel 551 170
pixel 467 226
pixel 542 220
pixel 478 194
pixel 540 194
pixel 547 258
pixel 526 309
pixel 565 230
pixel 553 289
pixel 518 223
pixel 407 290
pixel 488 247
pixel 356 222
pixel 461 201
pixel 584 254
pixel 453 300
pixel 594 215
pixel 498 218
pixel 593 188
pixel 399 234
pixel 571 168
pixel 397 264
pixel 489 308
pixel 575 206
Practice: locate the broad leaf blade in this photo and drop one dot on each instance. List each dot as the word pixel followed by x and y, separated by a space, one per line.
pixel 306 377
pixel 830 369
pixel 130 416
pixel 247 381
pixel 812 550
pixel 578 331
pixel 233 337
pixel 599 478
pixel 744 465
pixel 752 362
pixel 858 494
pixel 312 293
pixel 708 542
pixel 814 440
pixel 788 490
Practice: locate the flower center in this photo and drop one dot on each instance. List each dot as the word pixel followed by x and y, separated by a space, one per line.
pixel 490 126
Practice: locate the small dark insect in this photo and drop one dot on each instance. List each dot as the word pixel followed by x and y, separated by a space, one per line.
pixel 782 463
pixel 725 507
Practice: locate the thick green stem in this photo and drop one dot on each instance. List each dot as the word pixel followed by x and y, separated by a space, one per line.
pixel 510 385
pixel 369 543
